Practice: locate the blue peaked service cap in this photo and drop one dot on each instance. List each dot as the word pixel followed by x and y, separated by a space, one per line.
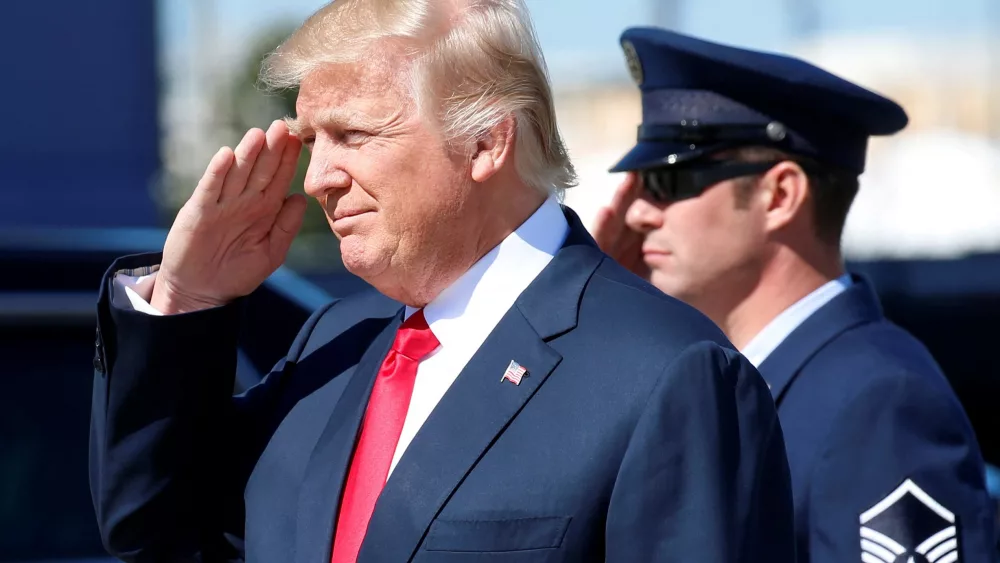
pixel 700 97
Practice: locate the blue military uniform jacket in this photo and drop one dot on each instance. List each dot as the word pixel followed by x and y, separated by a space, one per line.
pixel 637 435
pixel 885 465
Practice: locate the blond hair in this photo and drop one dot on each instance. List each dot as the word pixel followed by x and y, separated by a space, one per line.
pixel 474 63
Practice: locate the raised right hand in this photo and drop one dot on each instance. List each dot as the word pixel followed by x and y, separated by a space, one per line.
pixel 614 236
pixel 236 228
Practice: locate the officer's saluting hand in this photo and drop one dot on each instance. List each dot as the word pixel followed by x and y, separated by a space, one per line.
pixel 614 236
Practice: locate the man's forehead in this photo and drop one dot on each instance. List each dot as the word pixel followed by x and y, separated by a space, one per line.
pixel 327 102
pixel 358 85
pixel 374 73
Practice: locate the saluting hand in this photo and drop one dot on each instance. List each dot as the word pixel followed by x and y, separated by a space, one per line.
pixel 236 228
pixel 614 236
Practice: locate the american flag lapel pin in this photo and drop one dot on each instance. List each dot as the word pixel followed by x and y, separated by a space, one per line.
pixel 514 373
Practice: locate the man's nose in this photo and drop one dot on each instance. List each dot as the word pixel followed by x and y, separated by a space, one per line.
pixel 643 217
pixel 326 172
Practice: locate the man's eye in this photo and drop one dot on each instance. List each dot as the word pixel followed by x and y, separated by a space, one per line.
pixel 355 135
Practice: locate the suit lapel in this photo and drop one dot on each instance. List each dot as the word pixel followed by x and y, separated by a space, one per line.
pixel 855 306
pixel 320 495
pixel 480 404
pixel 476 408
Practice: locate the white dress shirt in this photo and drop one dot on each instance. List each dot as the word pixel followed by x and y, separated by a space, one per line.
pixel 461 317
pixel 776 331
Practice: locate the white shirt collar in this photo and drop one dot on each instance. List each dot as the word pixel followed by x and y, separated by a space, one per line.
pixel 776 331
pixel 470 308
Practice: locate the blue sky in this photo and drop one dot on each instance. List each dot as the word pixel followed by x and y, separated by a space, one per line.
pixel 586 30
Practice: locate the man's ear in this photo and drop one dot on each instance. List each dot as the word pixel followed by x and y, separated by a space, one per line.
pixel 786 192
pixel 493 149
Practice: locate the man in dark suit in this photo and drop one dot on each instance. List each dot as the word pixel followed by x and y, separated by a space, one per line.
pixel 509 394
pixel 739 187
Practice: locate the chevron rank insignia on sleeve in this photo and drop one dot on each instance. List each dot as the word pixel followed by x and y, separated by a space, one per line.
pixel 909 526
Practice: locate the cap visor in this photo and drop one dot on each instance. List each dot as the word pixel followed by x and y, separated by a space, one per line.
pixel 653 154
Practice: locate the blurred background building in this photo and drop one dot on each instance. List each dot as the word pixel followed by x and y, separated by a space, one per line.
pixel 114 107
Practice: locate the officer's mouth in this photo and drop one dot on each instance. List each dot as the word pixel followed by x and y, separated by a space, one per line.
pixel 653 256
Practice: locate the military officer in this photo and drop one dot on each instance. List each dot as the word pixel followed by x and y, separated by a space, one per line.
pixel 735 200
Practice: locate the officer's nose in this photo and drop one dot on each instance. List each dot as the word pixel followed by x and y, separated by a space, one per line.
pixel 643 217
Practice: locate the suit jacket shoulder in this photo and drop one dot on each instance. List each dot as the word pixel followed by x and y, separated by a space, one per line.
pixel 648 317
pixel 367 308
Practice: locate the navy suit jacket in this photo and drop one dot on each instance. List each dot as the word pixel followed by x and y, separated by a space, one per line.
pixel 637 435
pixel 878 444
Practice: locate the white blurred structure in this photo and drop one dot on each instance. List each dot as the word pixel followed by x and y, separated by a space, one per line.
pixel 932 194
pixel 932 191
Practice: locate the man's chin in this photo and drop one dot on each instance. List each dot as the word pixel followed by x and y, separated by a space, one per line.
pixel 360 260
pixel 361 268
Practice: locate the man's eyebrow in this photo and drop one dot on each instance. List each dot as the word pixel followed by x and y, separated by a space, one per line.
pixel 340 117
pixel 331 116
pixel 295 126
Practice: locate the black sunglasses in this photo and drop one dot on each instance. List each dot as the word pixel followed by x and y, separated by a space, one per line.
pixel 677 183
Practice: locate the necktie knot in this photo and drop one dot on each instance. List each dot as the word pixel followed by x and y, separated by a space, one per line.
pixel 415 339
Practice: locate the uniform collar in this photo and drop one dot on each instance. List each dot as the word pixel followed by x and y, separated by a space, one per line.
pixel 855 306
pixel 772 335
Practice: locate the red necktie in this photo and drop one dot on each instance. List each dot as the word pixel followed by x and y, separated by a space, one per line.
pixel 380 432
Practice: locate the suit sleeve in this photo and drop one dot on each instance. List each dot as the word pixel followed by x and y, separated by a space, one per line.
pixel 901 478
pixel 705 476
pixel 171 447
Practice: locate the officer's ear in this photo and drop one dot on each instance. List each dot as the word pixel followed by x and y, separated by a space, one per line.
pixel 786 190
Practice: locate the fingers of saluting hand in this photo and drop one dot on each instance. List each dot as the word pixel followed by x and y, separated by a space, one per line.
pixel 209 188
pixel 262 162
pixel 284 173
pixel 609 224
pixel 286 225
pixel 269 158
pixel 605 229
pixel 626 193
pixel 245 157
